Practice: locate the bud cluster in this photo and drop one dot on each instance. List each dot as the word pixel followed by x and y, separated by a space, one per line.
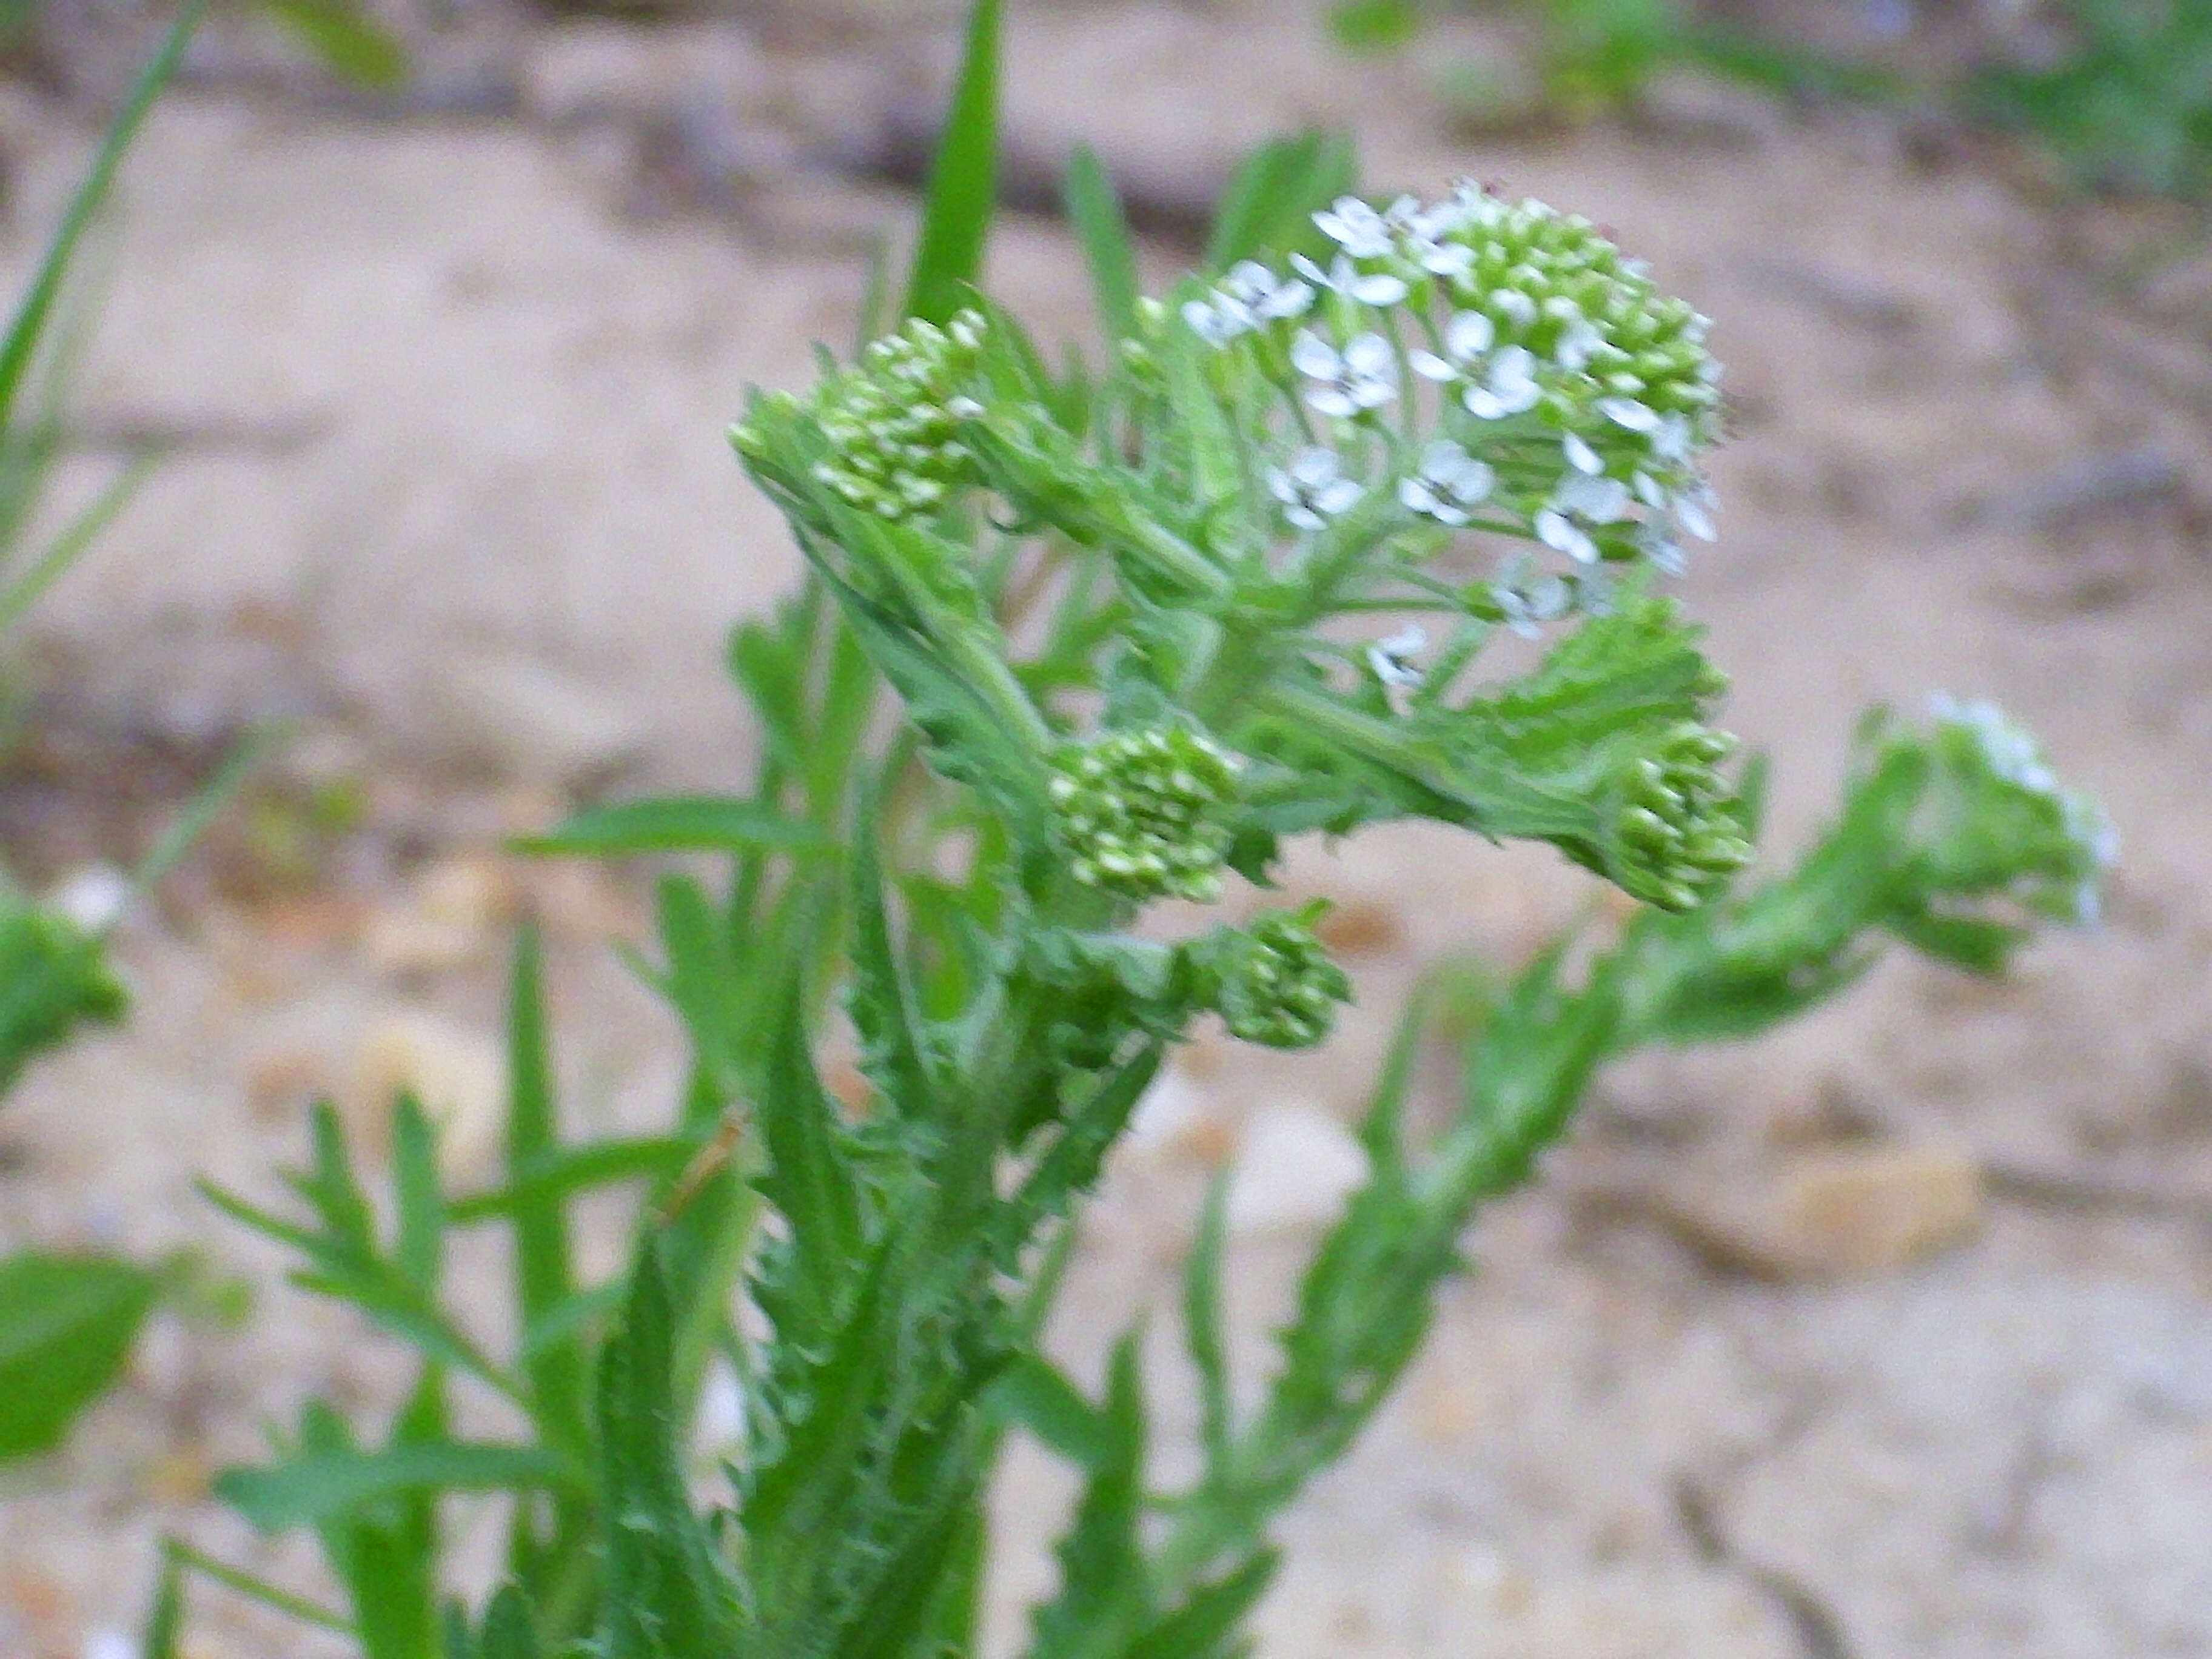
pixel 1144 814
pixel 1278 986
pixel 1679 831
pixel 893 419
pixel 2060 843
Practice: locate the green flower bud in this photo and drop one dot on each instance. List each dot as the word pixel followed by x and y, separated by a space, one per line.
pixel 894 419
pixel 1679 834
pixel 1278 986
pixel 1144 814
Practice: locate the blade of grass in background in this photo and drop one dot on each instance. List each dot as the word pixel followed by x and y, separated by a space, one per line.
pixel 963 182
pixel 1095 210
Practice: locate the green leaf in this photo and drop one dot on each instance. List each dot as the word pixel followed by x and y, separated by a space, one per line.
pixel 53 979
pixel 1269 204
pixel 1374 25
pixel 1104 1590
pixel 313 1487
pixel 1094 208
pixel 963 183
pixel 1036 1394
pixel 668 1595
pixel 893 1051
pixel 1202 1323
pixel 681 824
pixel 544 1280
pixel 809 1177
pixel 350 42
pixel 37 305
pixel 67 1324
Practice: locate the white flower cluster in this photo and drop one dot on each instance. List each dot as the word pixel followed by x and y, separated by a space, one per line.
pixel 1571 401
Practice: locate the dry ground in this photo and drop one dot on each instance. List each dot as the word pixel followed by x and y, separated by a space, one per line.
pixel 449 490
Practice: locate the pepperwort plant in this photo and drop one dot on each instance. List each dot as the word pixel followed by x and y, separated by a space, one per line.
pixel 1145 626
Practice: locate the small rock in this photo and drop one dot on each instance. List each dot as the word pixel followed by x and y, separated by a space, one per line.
pixel 450 917
pixel 526 719
pixel 1359 927
pixel 457 1072
pixel 1295 1167
pixel 1833 1214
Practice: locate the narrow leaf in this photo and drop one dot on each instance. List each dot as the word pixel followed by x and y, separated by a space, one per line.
pixel 680 823
pixel 963 183
pixel 1094 208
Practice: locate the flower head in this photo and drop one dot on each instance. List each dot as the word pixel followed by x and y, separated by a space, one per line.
pixel 1144 814
pixel 893 419
pixel 1680 832
pixel 1349 383
pixel 1278 986
pixel 1313 488
pixel 1450 484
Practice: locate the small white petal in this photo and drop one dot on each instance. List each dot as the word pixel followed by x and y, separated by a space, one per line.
pixel 1580 456
pixel 1430 366
pixel 1336 499
pixel 1561 534
pixel 1469 334
pixel 1314 357
pixel 1516 305
pixel 1370 354
pixel 1378 288
pixel 1627 411
pixel 1332 401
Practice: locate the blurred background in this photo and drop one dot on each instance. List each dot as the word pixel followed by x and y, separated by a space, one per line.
pixel 1892 1338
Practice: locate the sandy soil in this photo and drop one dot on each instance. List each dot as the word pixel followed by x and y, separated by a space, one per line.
pixel 450 492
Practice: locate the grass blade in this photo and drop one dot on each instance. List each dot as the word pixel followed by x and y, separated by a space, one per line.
pixel 38 302
pixel 1094 208
pixel 963 183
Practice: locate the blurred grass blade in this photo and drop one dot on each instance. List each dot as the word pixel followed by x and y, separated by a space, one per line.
pixel 679 823
pixel 345 37
pixel 560 1389
pixel 254 1588
pixel 38 302
pixel 1095 210
pixel 67 1324
pixel 963 183
pixel 319 1486
pixel 70 544
pixel 201 809
pixel 558 1174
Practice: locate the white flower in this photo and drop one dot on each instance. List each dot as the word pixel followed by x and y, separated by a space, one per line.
pixel 1450 482
pixel 1392 659
pixel 1368 287
pixel 1583 503
pixel 1313 488
pixel 1219 321
pixel 1347 383
pixel 1509 388
pixel 1528 606
pixel 1581 457
pixel 1659 549
pixel 1358 229
pixel 1271 298
pixel 1467 337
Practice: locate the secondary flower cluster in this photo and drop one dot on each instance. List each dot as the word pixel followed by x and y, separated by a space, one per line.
pixel 893 419
pixel 1144 814
pixel 1680 828
pixel 1278 986
pixel 2064 844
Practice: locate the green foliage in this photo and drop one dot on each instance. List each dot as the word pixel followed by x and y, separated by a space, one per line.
pixel 67 1325
pixel 1126 617
pixel 54 979
pixel 2130 107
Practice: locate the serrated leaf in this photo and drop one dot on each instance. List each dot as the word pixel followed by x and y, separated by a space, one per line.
pixel 67 1326
pixel 668 1595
